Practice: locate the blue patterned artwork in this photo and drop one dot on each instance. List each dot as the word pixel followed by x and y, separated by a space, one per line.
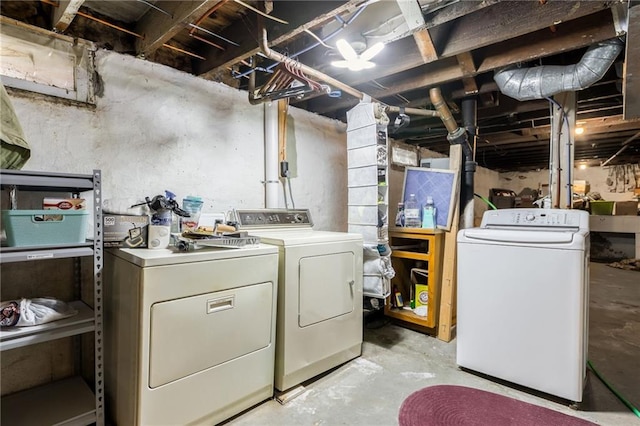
pixel 442 185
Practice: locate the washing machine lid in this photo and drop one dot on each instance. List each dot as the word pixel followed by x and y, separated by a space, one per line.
pixel 549 228
pixel 523 237
pixel 158 257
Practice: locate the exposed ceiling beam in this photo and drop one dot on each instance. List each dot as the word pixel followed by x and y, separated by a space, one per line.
pixel 434 73
pixel 571 35
pixel 466 62
pixel 425 46
pixel 509 19
pixel 483 89
pixel 443 15
pixel 485 27
pixel 65 13
pixel 415 22
pixel 596 128
pixel 631 85
pixel 468 67
pixel 405 57
pixel 300 19
pixel 159 28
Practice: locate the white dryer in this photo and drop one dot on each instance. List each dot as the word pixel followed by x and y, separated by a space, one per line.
pixel 319 319
pixel 189 336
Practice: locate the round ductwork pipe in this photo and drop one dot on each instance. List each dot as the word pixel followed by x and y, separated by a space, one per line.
pixel 545 81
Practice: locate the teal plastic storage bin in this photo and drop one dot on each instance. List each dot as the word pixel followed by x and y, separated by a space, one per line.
pixel 28 228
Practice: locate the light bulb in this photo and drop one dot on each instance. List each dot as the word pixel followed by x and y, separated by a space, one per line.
pixel 579 130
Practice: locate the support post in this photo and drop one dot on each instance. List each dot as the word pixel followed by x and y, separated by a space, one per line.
pixel 470 123
pixel 561 151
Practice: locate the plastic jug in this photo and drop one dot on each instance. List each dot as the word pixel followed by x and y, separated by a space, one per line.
pixel 412 212
pixel 429 214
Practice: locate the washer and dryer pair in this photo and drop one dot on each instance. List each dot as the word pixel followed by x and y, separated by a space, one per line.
pixel 197 337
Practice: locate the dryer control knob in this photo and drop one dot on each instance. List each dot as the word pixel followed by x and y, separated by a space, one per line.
pixel 530 217
pixel 298 218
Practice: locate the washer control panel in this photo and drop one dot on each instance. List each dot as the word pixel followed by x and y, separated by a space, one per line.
pixel 273 218
pixel 542 218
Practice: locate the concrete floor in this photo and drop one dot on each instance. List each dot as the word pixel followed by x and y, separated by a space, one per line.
pixel 396 362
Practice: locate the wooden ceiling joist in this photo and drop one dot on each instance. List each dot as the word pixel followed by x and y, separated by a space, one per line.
pixel 412 14
pixel 468 67
pixel 571 35
pixel 425 46
pixel 486 27
pixel 65 13
pixel 311 16
pixel 158 28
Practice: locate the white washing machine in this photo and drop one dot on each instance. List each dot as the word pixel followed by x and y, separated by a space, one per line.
pixel 319 320
pixel 523 298
pixel 189 337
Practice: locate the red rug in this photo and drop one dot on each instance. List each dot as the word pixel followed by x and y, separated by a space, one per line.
pixel 446 405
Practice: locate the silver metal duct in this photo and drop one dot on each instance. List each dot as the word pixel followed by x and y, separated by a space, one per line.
pixel 544 81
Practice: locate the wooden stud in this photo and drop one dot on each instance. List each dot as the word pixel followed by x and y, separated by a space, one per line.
pixel 64 14
pixel 470 86
pixel 449 262
pixel 425 46
pixel 283 107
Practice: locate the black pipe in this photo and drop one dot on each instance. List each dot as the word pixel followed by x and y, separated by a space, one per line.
pixel 470 123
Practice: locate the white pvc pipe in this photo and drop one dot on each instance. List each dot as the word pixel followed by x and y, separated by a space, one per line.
pixel 271 182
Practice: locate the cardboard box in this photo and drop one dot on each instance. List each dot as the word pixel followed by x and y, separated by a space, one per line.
pixel 422 295
pixel 581 186
pixel 63 204
pixel 125 231
pixel 626 208
pixel 70 204
pixel 420 283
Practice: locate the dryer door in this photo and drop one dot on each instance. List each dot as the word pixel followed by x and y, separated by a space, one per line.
pixel 326 287
pixel 192 334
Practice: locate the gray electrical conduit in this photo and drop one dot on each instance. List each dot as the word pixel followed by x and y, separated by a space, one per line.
pixel 545 81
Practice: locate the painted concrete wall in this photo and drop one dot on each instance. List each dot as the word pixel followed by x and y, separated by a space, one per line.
pixel 484 179
pixel 156 128
pixel 596 176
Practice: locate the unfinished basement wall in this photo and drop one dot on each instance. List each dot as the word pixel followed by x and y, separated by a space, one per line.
pixel 156 128
pixel 484 179
pixel 613 183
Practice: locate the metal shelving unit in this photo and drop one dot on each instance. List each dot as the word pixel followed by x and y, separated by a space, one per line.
pixel 70 401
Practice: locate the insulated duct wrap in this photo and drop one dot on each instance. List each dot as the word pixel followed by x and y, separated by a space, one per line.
pixel 545 81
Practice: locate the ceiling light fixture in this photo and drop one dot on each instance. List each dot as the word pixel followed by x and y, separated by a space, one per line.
pixel 352 60
pixel 579 130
